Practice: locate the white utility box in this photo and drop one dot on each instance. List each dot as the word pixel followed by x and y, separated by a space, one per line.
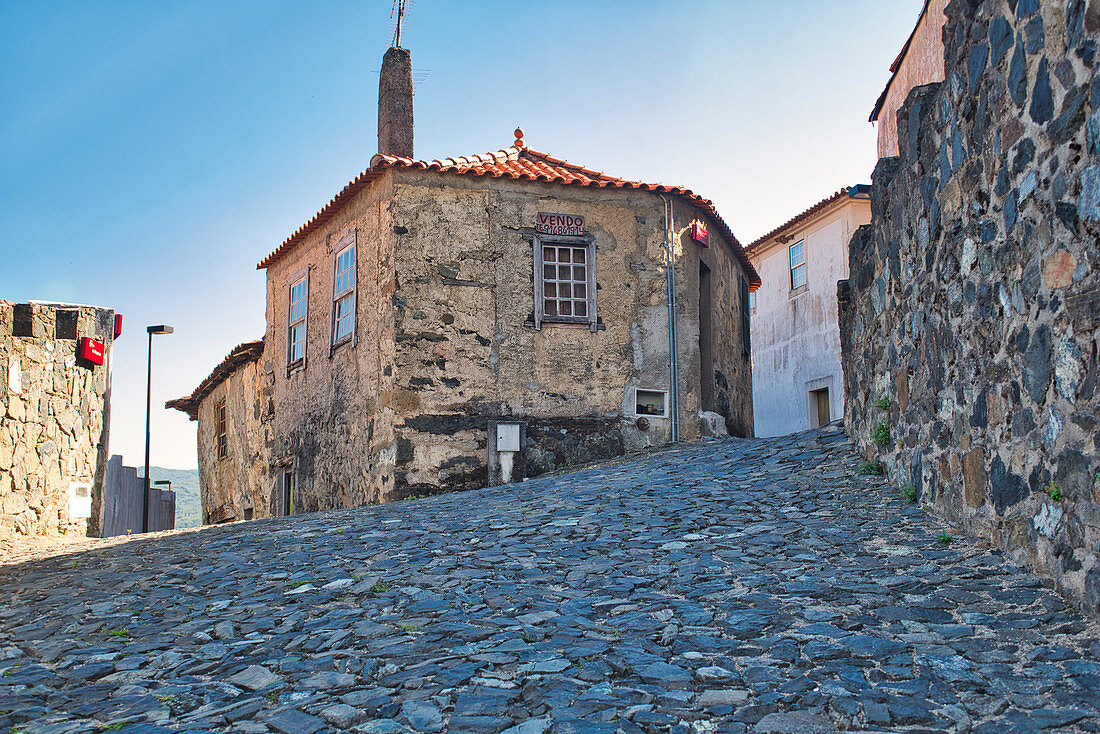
pixel 507 437
pixel 80 500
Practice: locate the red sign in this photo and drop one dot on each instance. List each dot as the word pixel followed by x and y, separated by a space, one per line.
pixel 91 350
pixel 699 234
pixel 567 224
pixel 118 325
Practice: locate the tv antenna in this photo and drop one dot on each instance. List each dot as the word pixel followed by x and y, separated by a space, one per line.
pixel 399 12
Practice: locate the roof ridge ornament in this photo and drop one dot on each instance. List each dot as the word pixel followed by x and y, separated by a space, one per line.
pixel 519 139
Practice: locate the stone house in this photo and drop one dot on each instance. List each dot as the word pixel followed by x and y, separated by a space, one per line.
pixel 970 324
pixel 454 323
pixel 797 380
pixel 55 398
pixel 920 62
pixel 236 423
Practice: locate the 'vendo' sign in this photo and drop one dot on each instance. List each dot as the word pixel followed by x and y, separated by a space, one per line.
pixel 567 224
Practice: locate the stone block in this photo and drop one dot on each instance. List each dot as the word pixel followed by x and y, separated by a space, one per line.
pixel 1058 270
pixel 975 479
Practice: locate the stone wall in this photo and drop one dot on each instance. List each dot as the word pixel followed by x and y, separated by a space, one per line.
pixel 969 325
pixel 468 352
pixel 54 416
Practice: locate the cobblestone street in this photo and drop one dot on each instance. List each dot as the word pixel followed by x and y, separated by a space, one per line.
pixel 730 585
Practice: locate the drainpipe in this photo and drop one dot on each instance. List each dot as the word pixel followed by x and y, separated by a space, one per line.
pixel 673 366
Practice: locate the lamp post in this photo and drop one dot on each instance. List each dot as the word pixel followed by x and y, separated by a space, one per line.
pixel 161 329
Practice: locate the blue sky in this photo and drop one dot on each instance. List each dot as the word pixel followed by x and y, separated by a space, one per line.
pixel 152 153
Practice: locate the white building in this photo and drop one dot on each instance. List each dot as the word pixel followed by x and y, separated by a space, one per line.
pixel 797 382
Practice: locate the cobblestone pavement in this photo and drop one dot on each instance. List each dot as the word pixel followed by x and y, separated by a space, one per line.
pixel 725 586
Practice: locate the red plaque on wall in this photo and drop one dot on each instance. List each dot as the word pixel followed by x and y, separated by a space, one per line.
pixel 699 234
pixel 91 350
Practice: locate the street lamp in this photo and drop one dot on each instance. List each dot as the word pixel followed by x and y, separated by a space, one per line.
pixel 161 329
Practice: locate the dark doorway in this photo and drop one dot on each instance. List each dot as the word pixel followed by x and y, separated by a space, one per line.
pixel 706 346
pixel 819 407
pixel 287 503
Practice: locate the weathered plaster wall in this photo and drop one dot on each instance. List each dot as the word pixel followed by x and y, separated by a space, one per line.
pixel 795 336
pixel 241 484
pixel 975 293
pixel 333 417
pixel 923 64
pixel 54 416
pixel 468 353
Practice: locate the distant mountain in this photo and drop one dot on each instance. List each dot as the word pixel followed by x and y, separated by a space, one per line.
pixel 185 483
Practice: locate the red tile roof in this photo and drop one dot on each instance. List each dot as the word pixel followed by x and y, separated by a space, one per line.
pixel 852 192
pixel 519 163
pixel 241 354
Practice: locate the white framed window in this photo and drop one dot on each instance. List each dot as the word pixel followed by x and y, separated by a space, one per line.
pixel 565 280
pixel 651 403
pixel 296 322
pixel 343 293
pixel 752 301
pixel 798 264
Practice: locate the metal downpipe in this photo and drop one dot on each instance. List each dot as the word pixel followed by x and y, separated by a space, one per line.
pixel 673 366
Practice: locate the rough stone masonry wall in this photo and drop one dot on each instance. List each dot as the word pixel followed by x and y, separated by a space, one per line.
pixel 53 416
pixel 975 292
pixel 333 417
pixel 468 353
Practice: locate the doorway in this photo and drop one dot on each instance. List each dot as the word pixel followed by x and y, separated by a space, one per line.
pixel 819 407
pixel 287 499
pixel 706 346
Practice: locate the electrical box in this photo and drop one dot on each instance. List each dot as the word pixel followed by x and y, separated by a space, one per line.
pixel 91 350
pixel 507 437
pixel 80 500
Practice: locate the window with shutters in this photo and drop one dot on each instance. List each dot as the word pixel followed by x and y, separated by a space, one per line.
pixel 565 280
pixel 221 438
pixel 343 293
pixel 296 326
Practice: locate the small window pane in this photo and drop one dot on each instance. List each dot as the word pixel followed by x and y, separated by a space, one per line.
pixel 550 307
pixel 579 290
pixel 551 290
pixel 798 277
pixel 566 308
pixel 578 256
pixel 297 342
pixel 565 290
pixel 343 317
pixel 563 272
pixel 548 255
pixel 580 308
pixel 548 271
pixel 798 254
pixel 578 273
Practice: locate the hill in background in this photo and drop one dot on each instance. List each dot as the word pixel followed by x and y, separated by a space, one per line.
pixel 185 483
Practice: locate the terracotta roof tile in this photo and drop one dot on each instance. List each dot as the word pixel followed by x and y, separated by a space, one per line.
pixel 241 354
pixel 519 163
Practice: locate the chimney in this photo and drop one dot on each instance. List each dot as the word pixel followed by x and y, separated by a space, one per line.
pixel 395 104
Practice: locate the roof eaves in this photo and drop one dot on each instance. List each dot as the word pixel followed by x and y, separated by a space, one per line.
pixel 894 67
pixel 241 354
pixel 859 191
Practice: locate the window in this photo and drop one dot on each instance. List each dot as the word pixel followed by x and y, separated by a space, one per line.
pixel 798 265
pixel 221 439
pixel 343 295
pixel 651 402
pixel 296 329
pixel 752 301
pixel 565 280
